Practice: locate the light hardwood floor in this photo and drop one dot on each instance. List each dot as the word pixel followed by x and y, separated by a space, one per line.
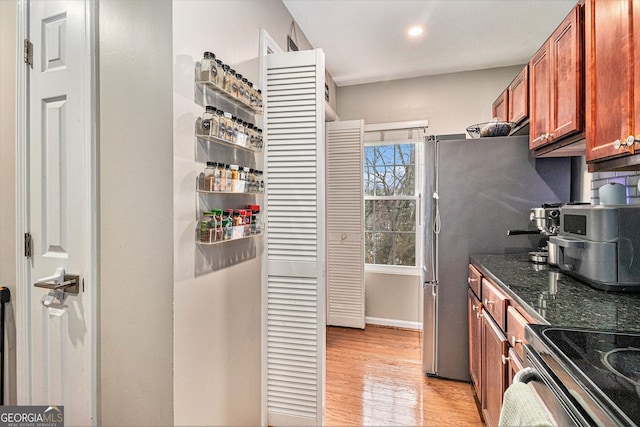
pixel 374 377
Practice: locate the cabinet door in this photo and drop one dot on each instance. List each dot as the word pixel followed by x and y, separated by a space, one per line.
pixel 514 365
pixel 500 106
pixel 519 96
pixel 475 342
pixel 494 369
pixel 565 47
pixel 609 86
pixel 539 69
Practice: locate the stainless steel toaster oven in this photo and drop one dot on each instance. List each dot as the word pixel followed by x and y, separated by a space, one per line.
pixel 600 245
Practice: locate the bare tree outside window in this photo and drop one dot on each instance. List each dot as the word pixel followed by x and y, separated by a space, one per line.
pixel 390 204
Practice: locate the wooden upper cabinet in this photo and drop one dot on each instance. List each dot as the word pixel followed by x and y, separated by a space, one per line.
pixel 539 77
pixel 556 84
pixel 612 43
pixel 500 107
pixel 519 97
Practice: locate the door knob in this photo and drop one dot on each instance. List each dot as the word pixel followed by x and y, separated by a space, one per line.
pixel 60 281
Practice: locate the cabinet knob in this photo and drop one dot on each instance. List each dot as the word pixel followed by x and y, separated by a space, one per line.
pixel 515 341
pixel 487 302
pixel 550 136
pixel 479 315
pixel 469 280
pixel 505 359
pixel 632 140
pixel 617 144
pixel 544 136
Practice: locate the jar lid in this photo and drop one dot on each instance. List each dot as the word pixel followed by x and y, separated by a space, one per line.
pixel 208 214
pixel 209 55
pixel 254 208
pixel 239 76
pixel 209 108
pixel 234 167
pixel 209 163
pixel 217 211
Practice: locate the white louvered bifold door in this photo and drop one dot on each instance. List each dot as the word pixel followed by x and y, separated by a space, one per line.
pixel 294 278
pixel 345 224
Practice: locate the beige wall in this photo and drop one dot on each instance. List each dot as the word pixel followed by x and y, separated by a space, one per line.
pixel 217 352
pixel 450 102
pixel 8 184
pixel 136 213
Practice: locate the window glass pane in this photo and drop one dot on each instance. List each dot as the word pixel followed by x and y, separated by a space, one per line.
pixel 390 224
pixel 383 244
pixel 405 182
pixel 369 183
pixel 405 216
pixel 405 249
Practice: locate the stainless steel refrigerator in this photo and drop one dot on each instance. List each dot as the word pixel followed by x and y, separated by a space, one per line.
pixel 475 190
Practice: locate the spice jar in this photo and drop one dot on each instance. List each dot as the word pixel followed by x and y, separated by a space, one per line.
pixel 252 95
pixel 207 227
pixel 259 98
pixel 255 218
pixel 240 86
pixel 246 96
pixel 207 63
pixel 209 176
pixel 234 83
pixel 229 127
pixel 234 135
pixel 222 184
pixel 250 138
pixel 218 230
pixel 247 222
pixel 242 136
pixel 234 178
pixel 222 124
pixel 207 117
pixel 219 74
pixel 226 78
pixel 227 224
pixel 252 181
pixel 229 182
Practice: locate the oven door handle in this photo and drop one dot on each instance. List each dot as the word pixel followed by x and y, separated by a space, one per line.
pixel 525 375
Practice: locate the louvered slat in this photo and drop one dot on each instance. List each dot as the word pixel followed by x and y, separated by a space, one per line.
pixel 345 224
pixel 294 238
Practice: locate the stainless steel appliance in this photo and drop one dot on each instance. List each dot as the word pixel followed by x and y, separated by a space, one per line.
pixel 546 222
pixel 601 245
pixel 476 189
pixel 584 377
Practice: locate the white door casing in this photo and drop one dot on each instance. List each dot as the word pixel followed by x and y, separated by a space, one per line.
pixel 345 224
pixel 57 205
pixel 294 257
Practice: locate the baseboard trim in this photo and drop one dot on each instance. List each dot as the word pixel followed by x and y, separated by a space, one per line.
pixel 404 324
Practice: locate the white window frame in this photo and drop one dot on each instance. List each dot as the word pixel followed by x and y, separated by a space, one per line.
pixel 419 129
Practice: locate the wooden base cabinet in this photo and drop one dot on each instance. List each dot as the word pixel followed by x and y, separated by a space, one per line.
pixel 495 348
pixel 475 338
pixel 612 78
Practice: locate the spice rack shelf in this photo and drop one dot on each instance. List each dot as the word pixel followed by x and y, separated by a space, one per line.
pixel 221 141
pixel 229 97
pixel 220 222
pixel 218 242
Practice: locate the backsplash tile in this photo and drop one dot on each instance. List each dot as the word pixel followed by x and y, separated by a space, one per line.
pixel 628 179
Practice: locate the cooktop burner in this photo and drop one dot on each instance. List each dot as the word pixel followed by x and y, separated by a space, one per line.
pixel 611 361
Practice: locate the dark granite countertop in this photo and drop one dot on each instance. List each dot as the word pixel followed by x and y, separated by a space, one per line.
pixel 552 297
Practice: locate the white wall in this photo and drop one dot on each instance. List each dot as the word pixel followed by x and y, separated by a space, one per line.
pixel 136 213
pixel 8 184
pixel 217 353
pixel 450 102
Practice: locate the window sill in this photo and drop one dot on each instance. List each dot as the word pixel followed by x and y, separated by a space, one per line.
pixel 392 269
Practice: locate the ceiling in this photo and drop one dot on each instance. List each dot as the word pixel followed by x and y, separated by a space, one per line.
pixel 366 41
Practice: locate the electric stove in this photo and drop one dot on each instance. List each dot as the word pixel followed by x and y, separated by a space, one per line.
pixel 597 373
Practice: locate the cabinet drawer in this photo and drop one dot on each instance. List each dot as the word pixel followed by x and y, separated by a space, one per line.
pixel 515 365
pixel 495 302
pixel 474 280
pixel 515 330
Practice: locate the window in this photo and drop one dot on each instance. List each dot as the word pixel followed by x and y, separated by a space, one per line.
pixel 391 198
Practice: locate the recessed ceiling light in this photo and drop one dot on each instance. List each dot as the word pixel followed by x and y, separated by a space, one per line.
pixel 415 31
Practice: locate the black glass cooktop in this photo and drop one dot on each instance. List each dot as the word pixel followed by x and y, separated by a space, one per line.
pixel 611 361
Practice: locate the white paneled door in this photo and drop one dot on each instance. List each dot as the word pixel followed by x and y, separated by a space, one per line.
pixel 294 258
pixel 56 190
pixel 345 224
